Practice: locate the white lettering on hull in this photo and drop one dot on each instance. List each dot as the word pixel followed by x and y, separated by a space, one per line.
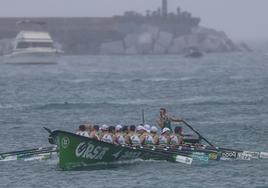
pixel 90 151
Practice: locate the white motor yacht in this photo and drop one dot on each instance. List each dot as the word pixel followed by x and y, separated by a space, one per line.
pixel 33 47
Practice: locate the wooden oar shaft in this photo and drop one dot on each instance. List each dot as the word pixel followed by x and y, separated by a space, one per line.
pixel 173 157
pixel 198 134
pixel 181 157
pixel 143 118
pixel 28 151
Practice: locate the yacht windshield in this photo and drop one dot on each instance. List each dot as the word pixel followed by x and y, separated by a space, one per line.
pixel 42 44
pixel 24 45
pixel 34 45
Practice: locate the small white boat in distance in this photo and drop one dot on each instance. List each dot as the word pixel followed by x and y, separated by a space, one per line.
pixel 33 47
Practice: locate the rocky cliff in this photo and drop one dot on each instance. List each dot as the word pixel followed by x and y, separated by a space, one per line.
pixel 130 34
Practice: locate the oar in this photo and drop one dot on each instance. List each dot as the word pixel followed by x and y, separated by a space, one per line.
pixel 143 119
pixel 198 155
pixel 174 157
pixel 28 151
pixel 29 156
pixel 223 152
pixel 199 134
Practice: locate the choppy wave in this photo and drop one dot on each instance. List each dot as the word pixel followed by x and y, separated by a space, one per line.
pixel 6 106
pixel 196 101
pixel 221 101
pixel 124 80
pixel 13 106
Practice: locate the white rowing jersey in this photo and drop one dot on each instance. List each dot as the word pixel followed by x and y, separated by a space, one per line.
pixel 135 139
pixel 149 139
pixel 120 139
pixel 107 138
pixel 82 133
pixel 174 140
pixel 163 140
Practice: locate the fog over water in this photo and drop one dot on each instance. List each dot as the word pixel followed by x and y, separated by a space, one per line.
pixel 240 19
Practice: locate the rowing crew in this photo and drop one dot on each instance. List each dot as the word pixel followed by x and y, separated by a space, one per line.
pixel 132 135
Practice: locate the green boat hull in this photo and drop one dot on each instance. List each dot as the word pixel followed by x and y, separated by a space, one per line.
pixel 78 151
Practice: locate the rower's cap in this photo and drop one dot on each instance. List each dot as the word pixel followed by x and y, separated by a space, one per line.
pixel 154 129
pixel 104 127
pixel 82 127
pixel 118 127
pixel 165 130
pixel 139 128
pixel 147 127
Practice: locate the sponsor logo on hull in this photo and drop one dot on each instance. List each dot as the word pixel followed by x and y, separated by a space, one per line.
pixel 200 156
pixel 65 141
pixel 230 155
pixel 90 151
pixel 123 155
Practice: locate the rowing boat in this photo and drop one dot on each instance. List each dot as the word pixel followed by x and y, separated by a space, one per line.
pixel 78 151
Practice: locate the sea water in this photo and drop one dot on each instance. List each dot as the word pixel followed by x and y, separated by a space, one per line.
pixel 223 96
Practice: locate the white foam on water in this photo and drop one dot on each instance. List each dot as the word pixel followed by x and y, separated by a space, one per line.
pixel 10 158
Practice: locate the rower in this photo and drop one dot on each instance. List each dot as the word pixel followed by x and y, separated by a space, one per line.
pixel 111 130
pixel 82 131
pixel 125 130
pixel 135 136
pixel 107 136
pixel 154 134
pixel 119 136
pixel 164 120
pixel 147 137
pixel 142 133
pixel 98 132
pixel 88 127
pixel 176 138
pixel 94 132
pixel 147 127
pixel 131 132
pixel 164 138
pixel 103 128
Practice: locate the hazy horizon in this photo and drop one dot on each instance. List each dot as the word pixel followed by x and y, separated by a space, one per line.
pixel 240 19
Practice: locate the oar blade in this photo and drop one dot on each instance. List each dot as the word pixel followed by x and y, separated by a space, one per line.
pixel 9 158
pixel 244 156
pixel 263 155
pixel 185 123
pixel 184 160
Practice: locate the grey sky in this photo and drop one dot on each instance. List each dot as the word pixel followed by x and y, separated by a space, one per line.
pixel 240 19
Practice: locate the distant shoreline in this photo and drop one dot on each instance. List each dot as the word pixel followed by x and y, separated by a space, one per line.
pixel 125 35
